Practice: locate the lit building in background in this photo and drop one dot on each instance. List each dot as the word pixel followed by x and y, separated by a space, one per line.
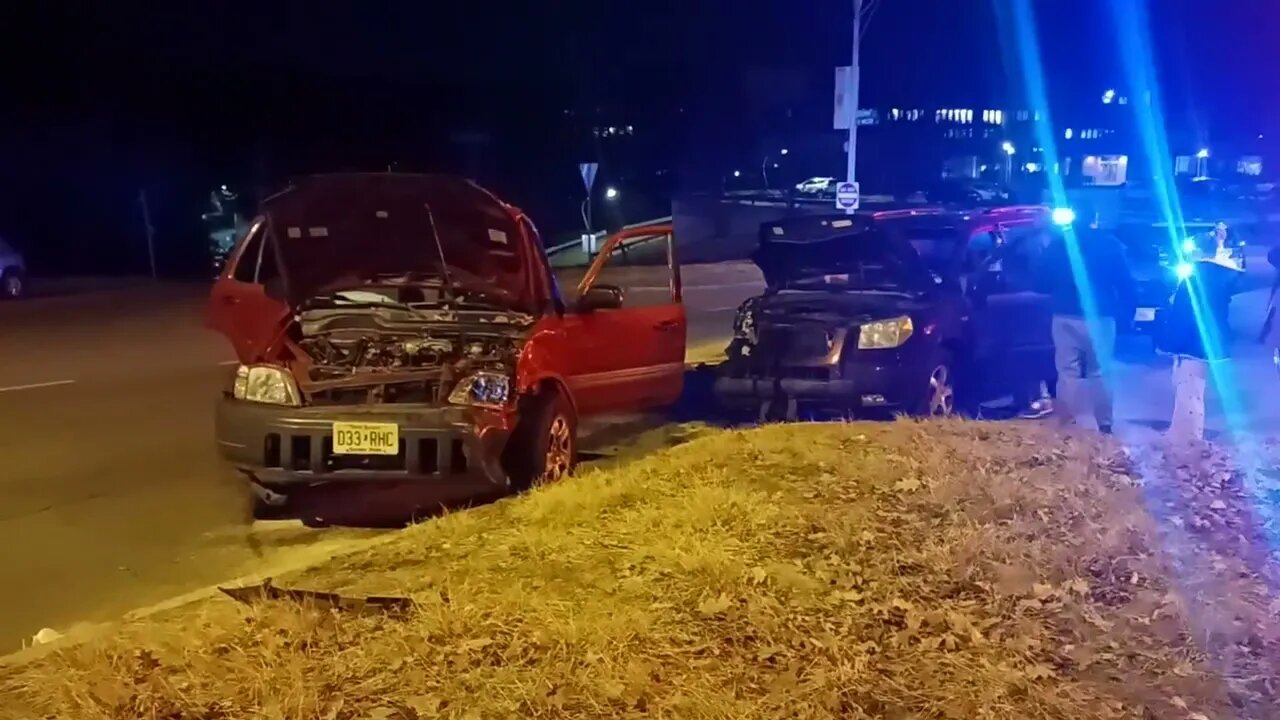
pixel 1099 148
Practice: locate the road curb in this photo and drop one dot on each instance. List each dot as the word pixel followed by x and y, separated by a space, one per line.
pixel 81 633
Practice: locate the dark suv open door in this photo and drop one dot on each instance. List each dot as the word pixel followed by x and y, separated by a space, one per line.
pixel 1011 324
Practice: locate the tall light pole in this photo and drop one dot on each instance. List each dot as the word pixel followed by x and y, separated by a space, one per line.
pixel 854 70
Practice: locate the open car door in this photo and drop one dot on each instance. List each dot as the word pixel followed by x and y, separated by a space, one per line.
pixel 245 304
pixel 627 337
pixel 1011 323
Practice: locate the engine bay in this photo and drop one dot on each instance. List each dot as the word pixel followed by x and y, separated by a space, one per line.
pixel 374 355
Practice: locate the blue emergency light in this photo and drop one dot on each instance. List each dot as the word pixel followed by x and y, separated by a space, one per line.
pixel 1063 216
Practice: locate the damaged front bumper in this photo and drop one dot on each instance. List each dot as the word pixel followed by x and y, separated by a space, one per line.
pixel 281 446
pixel 894 381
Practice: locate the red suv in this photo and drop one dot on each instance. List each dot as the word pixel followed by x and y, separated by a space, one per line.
pixel 409 327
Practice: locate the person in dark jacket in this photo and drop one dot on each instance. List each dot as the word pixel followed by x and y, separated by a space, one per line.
pixel 1083 345
pixel 1270 335
pixel 1194 329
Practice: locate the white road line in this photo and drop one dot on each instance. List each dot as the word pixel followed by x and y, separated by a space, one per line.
pixel 229 362
pixel 33 386
pixel 722 309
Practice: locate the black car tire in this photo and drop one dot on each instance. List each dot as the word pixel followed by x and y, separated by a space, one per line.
pixel 13 284
pixel 938 397
pixel 544 448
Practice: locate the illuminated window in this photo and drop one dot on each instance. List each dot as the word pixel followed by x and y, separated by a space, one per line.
pixel 1105 170
pixel 1249 165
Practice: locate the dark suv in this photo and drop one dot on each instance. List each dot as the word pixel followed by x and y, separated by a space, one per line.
pixel 917 312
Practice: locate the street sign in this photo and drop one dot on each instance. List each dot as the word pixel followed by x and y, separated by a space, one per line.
pixel 588 171
pixel 847 196
pixel 843 110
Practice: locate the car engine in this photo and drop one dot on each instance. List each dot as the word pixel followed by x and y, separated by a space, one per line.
pixel 369 355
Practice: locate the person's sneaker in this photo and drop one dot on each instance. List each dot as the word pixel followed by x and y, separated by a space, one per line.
pixel 1037 410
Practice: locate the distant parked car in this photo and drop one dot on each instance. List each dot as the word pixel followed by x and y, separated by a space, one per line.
pixel 817 186
pixel 13 273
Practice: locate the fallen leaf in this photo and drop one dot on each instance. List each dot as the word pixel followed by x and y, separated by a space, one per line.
pixel 715 606
pixel 907 484
pixel 1079 586
pixel 1040 672
pixel 424 704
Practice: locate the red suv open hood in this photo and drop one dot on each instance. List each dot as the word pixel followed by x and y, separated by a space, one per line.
pixel 338 231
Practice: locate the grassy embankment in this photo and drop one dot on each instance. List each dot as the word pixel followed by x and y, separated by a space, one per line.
pixel 950 569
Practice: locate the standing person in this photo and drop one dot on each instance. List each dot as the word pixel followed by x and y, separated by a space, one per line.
pixel 1083 345
pixel 1194 330
pixel 1270 335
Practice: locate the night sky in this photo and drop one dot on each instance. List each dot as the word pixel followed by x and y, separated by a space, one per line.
pixel 104 98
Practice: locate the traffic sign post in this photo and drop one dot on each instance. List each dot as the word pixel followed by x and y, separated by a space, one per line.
pixel 588 171
pixel 848 196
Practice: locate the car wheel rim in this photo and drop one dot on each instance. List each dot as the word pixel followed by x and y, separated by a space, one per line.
pixel 942 396
pixel 13 286
pixel 559 450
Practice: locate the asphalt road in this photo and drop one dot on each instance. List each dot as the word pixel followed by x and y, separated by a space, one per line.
pixel 112 496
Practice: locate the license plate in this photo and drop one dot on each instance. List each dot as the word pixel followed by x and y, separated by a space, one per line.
pixel 1144 315
pixel 358 438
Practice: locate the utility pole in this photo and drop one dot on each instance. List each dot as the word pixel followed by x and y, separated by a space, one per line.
pixel 854 71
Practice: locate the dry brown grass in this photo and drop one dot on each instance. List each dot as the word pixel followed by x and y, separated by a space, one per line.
pixel 953 570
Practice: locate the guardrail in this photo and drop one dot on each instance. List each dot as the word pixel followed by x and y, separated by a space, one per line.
pixel 599 235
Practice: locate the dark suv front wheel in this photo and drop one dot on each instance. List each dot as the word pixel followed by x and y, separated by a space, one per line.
pixel 939 395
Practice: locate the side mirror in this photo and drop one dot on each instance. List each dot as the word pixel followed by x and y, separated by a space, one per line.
pixel 600 297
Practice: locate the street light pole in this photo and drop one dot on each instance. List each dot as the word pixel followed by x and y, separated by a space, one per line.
pixel 855 70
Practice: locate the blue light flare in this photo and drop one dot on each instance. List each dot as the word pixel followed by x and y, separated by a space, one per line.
pixel 1019 30
pixel 1132 23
